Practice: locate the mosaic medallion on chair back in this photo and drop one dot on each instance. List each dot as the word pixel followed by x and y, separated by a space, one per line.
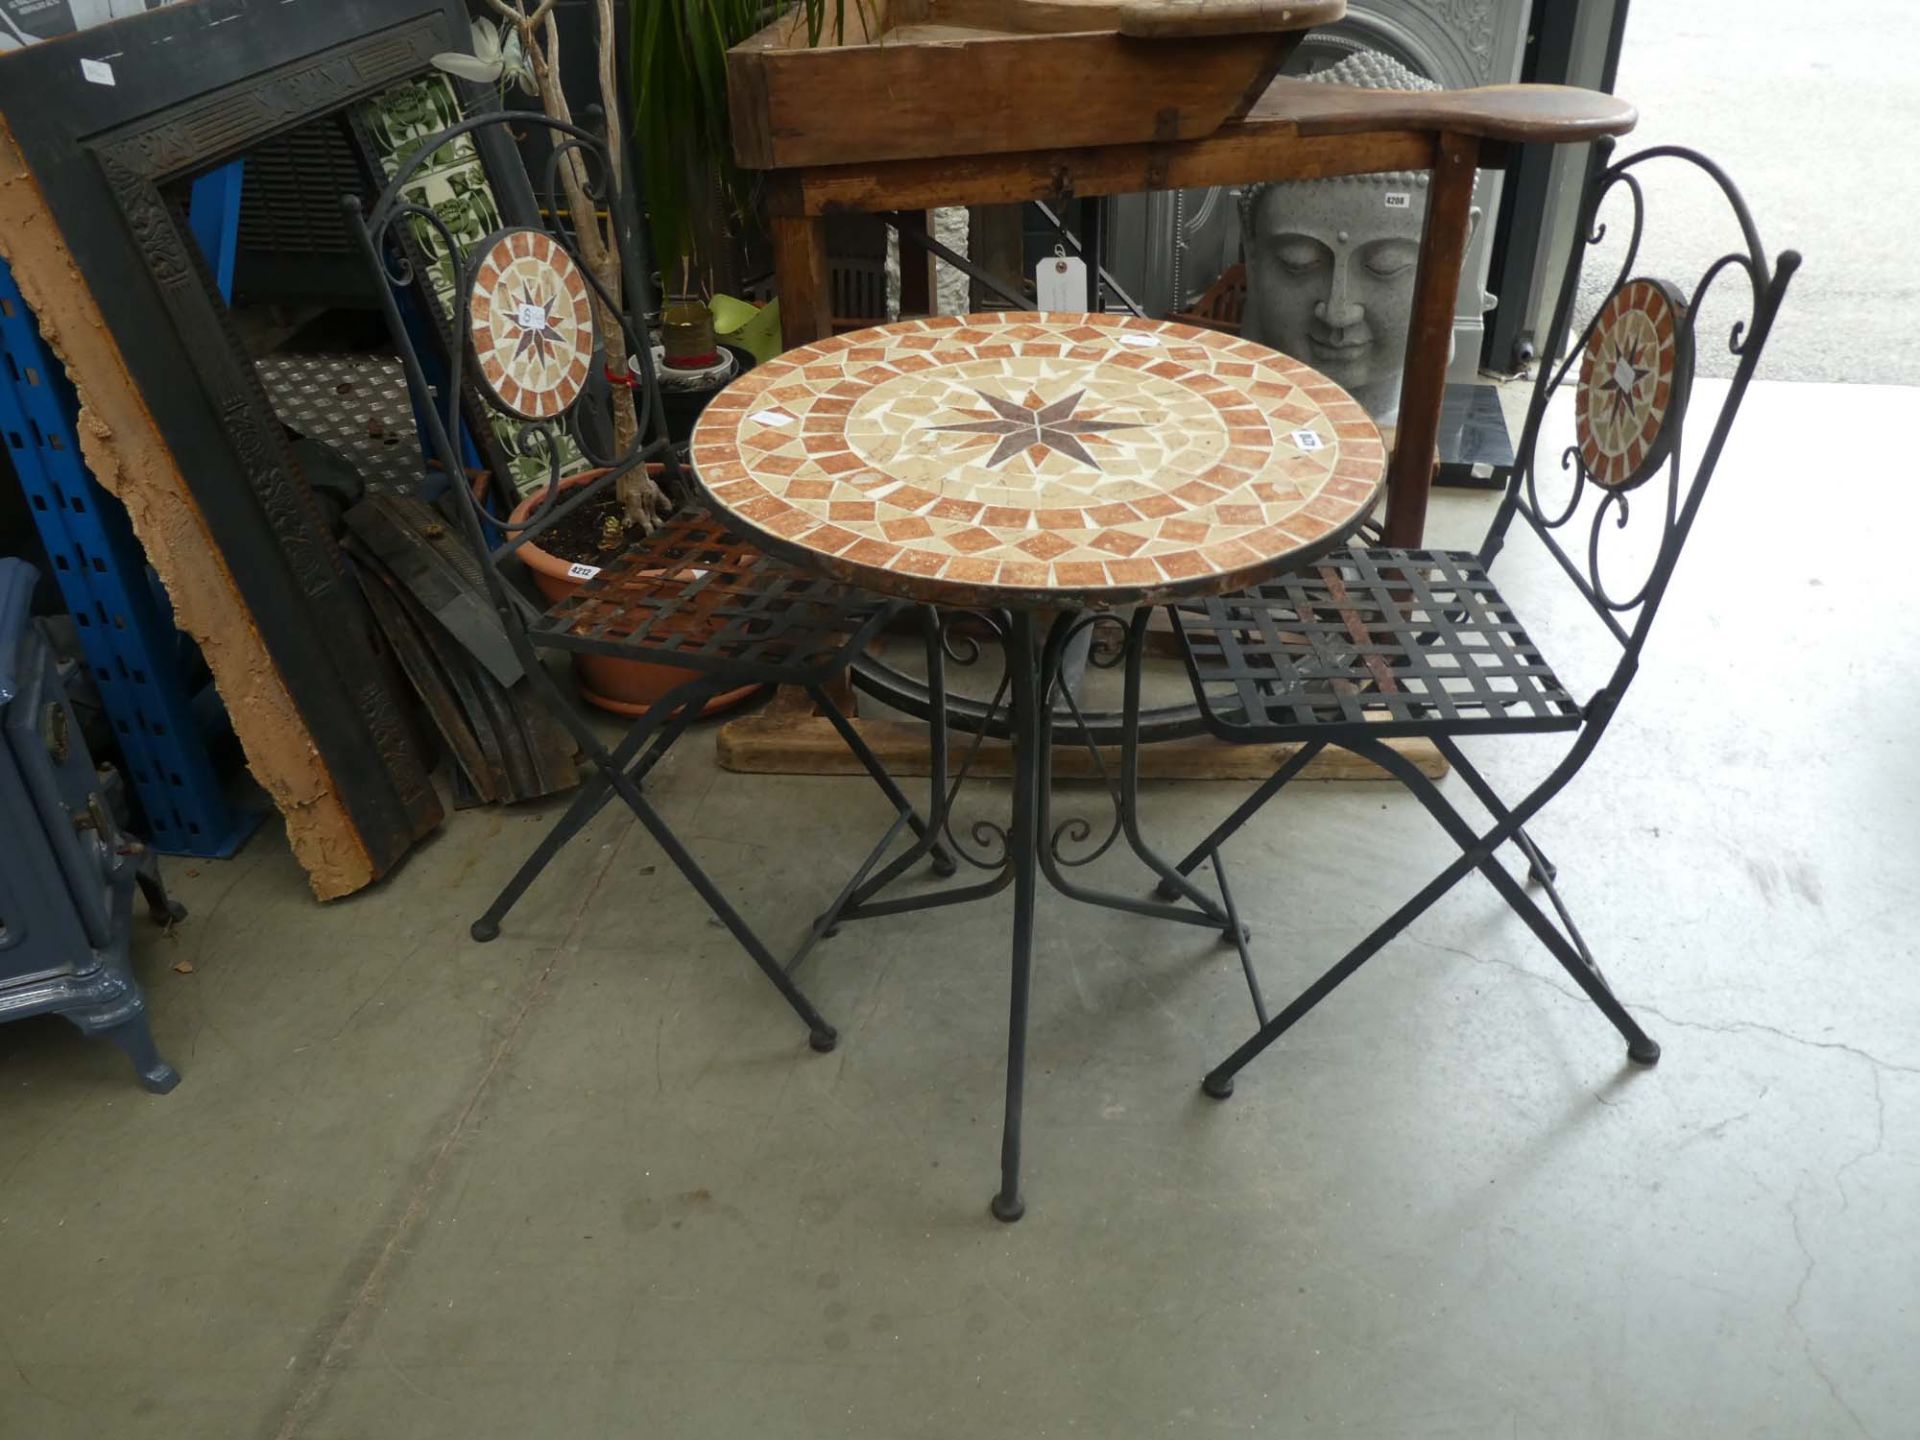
pixel 1634 375
pixel 1041 452
pixel 531 324
pixel 452 184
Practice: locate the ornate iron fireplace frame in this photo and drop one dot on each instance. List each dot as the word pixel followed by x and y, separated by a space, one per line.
pixel 104 119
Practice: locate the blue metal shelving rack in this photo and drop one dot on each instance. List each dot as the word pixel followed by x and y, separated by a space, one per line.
pixel 124 625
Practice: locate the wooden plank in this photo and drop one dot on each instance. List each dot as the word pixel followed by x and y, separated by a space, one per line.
pixel 1140 18
pixel 1238 154
pixel 806 289
pixel 789 741
pixel 975 77
pixel 975 92
pixel 1518 114
pixel 1443 247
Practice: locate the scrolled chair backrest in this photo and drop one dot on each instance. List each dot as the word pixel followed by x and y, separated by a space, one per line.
pixel 529 323
pixel 1615 505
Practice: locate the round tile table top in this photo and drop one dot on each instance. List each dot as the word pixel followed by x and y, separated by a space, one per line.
pixel 1016 459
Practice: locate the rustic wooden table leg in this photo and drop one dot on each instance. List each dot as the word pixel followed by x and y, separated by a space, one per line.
pixel 800 278
pixel 1443 246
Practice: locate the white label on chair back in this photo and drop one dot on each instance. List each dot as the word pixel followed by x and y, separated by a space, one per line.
pixel 582 572
pixel 1061 283
pixel 1399 200
pixel 1307 440
pixel 771 417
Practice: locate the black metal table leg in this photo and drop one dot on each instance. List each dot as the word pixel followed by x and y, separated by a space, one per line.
pixel 1023 855
pixel 1031 847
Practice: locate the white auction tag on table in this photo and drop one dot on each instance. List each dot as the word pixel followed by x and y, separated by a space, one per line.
pixel 771 417
pixel 1139 341
pixel 1308 440
pixel 1061 283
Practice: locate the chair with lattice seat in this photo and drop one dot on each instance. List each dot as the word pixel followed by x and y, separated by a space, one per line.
pixel 695 595
pixel 1394 639
pixel 531 319
pixel 1374 644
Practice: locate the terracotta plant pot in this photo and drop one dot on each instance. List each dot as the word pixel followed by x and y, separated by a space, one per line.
pixel 625 687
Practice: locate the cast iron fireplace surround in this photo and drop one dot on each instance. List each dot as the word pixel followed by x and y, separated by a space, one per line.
pixel 195 84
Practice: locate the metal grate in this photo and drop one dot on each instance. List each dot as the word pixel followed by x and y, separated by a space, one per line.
pixel 694 595
pixel 1398 641
pixel 290 202
pixel 355 403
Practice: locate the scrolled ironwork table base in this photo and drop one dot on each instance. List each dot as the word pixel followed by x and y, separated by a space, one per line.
pixel 1040 475
pixel 1035 844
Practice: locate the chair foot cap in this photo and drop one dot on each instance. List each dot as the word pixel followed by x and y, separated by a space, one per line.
pixel 944 865
pixel 1543 877
pixel 1007 1211
pixel 824 1039
pixel 172 913
pixel 1217 1087
pixel 1643 1051
pixel 484 930
pixel 1167 890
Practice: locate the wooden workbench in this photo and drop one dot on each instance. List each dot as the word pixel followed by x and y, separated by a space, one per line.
pixel 1296 131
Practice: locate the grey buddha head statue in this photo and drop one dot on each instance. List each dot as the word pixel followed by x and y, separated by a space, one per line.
pixel 1331 263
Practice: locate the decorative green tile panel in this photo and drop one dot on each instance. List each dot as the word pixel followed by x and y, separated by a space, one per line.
pixel 454 185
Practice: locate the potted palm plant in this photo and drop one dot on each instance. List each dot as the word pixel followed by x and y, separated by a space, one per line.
pixel 683 134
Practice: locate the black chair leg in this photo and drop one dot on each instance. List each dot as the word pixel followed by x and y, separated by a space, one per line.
pixel 670 715
pixel 664 722
pixel 1477 853
pixel 821 1035
pixel 942 861
pixel 1569 948
pixel 1540 869
pixel 1242 813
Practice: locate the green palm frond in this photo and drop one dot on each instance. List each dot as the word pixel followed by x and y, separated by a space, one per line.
pixel 681 132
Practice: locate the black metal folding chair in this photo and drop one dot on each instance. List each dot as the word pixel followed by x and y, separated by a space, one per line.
pixel 690 595
pixel 1376 644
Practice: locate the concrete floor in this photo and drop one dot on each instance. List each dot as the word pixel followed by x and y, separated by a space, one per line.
pixel 590 1182
pixel 1788 98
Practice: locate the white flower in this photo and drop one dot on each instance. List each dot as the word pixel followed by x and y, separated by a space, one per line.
pixel 497 59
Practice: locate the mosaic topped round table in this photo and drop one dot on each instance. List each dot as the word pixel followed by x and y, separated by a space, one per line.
pixel 1012 464
pixel 1040 460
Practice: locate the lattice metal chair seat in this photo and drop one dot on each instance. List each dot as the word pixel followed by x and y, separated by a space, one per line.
pixel 526 325
pixel 1404 642
pixel 1371 644
pixel 696 596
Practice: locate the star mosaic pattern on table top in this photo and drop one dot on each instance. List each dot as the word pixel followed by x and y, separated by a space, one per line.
pixel 532 324
pixel 1628 373
pixel 1018 452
